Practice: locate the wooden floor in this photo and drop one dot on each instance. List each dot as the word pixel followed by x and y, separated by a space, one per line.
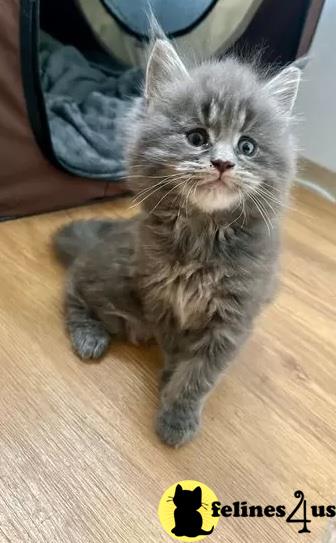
pixel 79 461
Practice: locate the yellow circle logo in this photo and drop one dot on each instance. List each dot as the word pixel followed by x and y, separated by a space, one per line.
pixel 185 511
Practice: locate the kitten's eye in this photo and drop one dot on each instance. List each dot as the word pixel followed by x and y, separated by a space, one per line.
pixel 246 146
pixel 198 137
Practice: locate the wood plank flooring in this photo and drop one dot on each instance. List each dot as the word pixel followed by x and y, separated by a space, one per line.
pixel 79 461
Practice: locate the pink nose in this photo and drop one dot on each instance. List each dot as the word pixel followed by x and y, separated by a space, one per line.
pixel 222 165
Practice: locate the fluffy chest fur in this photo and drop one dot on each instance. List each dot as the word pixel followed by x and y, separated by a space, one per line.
pixel 222 273
pixel 191 293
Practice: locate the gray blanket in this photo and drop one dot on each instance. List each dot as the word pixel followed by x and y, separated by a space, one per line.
pixel 86 104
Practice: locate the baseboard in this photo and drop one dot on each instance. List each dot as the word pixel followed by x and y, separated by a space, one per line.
pixel 317 179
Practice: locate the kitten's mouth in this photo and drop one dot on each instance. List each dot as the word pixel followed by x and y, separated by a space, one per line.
pixel 224 182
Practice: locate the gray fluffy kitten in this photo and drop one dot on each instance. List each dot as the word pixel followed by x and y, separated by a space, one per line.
pixel 211 158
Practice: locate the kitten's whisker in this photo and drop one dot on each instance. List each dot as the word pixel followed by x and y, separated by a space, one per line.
pixel 139 168
pixel 144 176
pixel 150 192
pixel 237 207
pixel 193 188
pixel 166 178
pixel 286 204
pixel 272 188
pixel 188 196
pixel 143 195
pixel 266 202
pixel 260 190
pixel 262 206
pixel 157 160
pixel 136 175
pixel 244 211
pixel 261 213
pixel 165 195
pixel 147 189
pixel 267 197
pixel 283 204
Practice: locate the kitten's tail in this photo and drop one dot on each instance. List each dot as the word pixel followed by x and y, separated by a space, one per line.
pixel 75 238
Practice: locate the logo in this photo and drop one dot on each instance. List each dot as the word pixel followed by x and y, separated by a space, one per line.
pixel 190 511
pixel 185 511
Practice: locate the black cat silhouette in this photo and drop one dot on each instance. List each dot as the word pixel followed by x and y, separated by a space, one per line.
pixel 188 521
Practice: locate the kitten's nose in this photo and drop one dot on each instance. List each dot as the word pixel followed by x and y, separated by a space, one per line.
pixel 222 165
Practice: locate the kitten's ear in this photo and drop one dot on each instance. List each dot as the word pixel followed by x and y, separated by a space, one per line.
pixel 163 65
pixel 178 489
pixel 284 87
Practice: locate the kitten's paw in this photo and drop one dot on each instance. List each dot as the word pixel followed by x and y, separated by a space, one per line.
pixel 89 342
pixel 177 425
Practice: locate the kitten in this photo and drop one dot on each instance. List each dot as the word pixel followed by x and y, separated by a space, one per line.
pixel 211 157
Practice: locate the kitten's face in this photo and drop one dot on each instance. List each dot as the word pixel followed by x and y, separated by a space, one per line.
pixel 216 137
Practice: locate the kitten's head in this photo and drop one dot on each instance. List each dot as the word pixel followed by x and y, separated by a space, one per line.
pixel 188 499
pixel 216 136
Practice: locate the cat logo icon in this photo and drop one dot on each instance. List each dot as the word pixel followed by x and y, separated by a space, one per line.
pixel 185 511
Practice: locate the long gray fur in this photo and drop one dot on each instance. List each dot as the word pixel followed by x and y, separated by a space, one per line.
pixel 196 267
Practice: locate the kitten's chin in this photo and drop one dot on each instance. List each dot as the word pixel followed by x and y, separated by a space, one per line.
pixel 215 200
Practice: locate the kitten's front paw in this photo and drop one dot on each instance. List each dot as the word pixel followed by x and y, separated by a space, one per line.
pixel 176 425
pixel 89 343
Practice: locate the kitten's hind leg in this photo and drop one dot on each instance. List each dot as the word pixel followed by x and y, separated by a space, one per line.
pixel 89 337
